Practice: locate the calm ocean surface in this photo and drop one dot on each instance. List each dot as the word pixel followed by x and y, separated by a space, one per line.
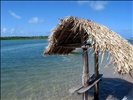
pixel 28 75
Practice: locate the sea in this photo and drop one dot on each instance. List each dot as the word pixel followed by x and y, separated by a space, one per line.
pixel 26 74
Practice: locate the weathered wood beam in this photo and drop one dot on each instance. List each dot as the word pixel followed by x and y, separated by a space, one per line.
pixel 85 75
pixel 72 90
pixel 74 45
pixel 91 84
pixel 77 87
pixel 96 71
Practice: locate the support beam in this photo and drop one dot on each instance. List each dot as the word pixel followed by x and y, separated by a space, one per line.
pixel 85 76
pixel 96 72
pixel 73 45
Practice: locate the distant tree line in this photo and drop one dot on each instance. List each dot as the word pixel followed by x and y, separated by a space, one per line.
pixel 23 37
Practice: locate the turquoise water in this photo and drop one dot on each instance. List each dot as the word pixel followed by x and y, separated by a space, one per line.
pixel 28 75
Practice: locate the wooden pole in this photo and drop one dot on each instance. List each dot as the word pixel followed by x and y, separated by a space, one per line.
pixel 96 71
pixel 85 75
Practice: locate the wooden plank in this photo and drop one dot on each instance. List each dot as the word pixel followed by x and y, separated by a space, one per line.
pixel 72 90
pixel 76 88
pixel 84 89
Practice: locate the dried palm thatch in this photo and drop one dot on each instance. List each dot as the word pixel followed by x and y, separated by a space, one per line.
pixel 70 31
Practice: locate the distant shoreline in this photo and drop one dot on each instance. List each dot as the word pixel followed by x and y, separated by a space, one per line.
pixel 23 37
pixel 130 38
pixel 30 37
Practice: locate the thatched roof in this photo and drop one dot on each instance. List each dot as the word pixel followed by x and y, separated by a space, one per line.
pixel 70 31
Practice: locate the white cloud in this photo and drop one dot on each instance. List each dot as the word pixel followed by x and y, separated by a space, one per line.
pixel 35 20
pixel 3 30
pixel 96 5
pixel 14 15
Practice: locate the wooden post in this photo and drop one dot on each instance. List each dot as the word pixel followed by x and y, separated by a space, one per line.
pixel 96 71
pixel 85 75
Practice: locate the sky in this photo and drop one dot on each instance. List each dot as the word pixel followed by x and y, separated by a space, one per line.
pixel 35 18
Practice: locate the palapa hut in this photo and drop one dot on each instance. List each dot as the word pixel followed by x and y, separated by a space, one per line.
pixel 71 30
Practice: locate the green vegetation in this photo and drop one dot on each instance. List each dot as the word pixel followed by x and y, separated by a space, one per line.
pixel 23 37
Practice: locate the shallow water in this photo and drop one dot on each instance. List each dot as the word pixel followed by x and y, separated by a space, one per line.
pixel 27 75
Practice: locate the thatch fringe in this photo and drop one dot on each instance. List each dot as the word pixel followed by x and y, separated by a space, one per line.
pixel 70 30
